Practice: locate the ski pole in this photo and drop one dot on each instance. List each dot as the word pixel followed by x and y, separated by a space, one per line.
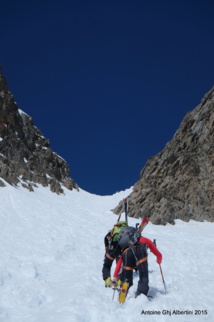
pixel 113 295
pixel 162 277
pixel 154 242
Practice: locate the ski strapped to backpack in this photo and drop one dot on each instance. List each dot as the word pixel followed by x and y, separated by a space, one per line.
pixel 125 209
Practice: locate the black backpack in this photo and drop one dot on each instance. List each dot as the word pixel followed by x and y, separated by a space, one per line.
pixel 128 236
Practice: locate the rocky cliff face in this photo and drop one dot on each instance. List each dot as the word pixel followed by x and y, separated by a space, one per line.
pixel 25 154
pixel 178 183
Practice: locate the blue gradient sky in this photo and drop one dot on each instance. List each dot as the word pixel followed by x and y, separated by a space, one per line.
pixel 108 83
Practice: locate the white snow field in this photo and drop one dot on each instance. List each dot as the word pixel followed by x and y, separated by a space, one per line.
pixel 51 257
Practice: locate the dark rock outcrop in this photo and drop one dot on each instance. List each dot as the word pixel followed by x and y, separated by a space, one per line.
pixel 25 154
pixel 178 183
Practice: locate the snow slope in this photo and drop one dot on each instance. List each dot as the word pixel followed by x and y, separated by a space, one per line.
pixel 51 256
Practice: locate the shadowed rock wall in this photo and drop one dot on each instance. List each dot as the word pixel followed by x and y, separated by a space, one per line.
pixel 25 154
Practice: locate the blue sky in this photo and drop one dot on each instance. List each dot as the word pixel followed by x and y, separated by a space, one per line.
pixel 108 83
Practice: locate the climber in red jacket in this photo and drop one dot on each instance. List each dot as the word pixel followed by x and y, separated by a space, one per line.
pixel 136 257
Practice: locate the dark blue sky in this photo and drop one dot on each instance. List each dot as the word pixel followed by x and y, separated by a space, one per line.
pixel 107 82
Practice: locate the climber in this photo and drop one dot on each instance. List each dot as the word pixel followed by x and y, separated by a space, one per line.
pixel 112 251
pixel 134 255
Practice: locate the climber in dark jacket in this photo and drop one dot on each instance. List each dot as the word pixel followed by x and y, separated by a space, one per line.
pixel 113 251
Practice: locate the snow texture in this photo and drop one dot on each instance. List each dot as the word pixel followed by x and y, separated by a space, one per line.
pixel 22 112
pixel 51 257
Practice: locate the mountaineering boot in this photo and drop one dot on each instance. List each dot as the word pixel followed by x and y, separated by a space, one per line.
pixel 149 297
pixel 123 292
pixel 108 282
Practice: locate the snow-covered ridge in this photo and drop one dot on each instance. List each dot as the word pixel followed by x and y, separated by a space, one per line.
pixel 22 112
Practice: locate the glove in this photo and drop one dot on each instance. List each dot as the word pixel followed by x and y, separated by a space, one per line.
pixel 159 260
pixel 114 282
